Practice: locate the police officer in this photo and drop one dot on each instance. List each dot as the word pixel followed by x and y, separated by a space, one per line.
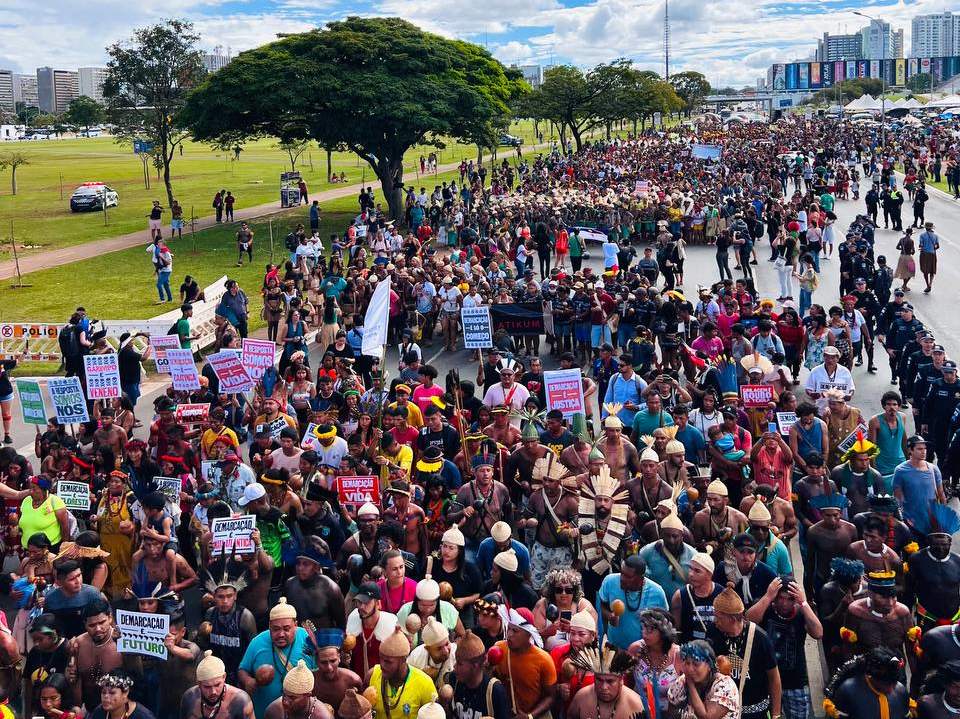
pixel 943 397
pixel 925 364
pixel 869 307
pixel 902 330
pixel 890 312
pixel 904 371
pixel 882 281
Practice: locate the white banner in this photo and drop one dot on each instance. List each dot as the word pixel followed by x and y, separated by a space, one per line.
pixel 231 535
pixel 564 391
pixel 477 327
pixel 183 371
pixel 376 320
pixel 103 376
pixel 142 633
pixel 69 403
pixel 75 495
pixel 160 344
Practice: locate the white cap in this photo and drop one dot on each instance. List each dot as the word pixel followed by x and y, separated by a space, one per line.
pixel 718 488
pixel 368 509
pixel 428 590
pixel 251 493
pixel 500 532
pixel 650 455
pixel 507 560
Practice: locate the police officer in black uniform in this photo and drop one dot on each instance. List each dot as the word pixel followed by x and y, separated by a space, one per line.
pixel 870 308
pixel 942 399
pixel 903 329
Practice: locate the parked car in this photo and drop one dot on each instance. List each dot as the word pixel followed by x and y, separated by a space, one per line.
pixel 509 140
pixel 91 196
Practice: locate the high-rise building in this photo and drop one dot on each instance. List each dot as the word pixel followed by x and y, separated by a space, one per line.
pixel 25 90
pixel 533 74
pixel 90 82
pixel 7 103
pixel 880 41
pixel 839 47
pixel 216 60
pixel 56 89
pixel 935 35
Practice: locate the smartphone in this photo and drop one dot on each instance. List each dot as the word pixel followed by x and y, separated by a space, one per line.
pixel 772 427
pixel 566 614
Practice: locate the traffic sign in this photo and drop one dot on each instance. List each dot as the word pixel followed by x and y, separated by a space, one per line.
pixel 142 147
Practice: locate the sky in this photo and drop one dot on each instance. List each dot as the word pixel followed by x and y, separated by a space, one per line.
pixel 732 43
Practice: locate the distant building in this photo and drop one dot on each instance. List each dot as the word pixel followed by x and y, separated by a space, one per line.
pixel 839 47
pixel 90 82
pixel 881 41
pixel 25 90
pixel 936 35
pixel 216 60
pixel 533 74
pixel 56 89
pixel 7 103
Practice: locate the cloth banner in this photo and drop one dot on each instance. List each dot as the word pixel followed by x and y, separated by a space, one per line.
pixel 518 318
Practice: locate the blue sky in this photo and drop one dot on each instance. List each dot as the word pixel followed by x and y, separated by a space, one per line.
pixel 733 43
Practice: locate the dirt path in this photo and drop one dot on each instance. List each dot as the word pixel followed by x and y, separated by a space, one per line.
pixel 65 255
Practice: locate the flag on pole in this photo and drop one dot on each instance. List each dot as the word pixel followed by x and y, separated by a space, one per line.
pixel 376 320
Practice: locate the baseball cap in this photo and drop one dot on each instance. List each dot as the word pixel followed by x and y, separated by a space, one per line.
pixel 367 591
pixel 949 366
pixel 831 350
pixel 251 493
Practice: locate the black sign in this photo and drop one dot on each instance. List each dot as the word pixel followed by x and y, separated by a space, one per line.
pixel 521 318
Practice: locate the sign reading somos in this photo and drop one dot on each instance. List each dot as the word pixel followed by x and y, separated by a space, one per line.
pixel 142 633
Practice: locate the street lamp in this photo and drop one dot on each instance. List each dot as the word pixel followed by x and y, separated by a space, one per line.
pixel 883 79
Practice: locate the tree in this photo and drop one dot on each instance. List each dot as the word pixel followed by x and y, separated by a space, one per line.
pixel 13 161
pixel 294 149
pixel 83 112
pixel 148 78
pixel 377 85
pixel 45 119
pixel 25 114
pixel 921 82
pixel 691 87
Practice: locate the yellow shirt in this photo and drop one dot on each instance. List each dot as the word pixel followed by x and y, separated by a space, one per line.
pixel 209 436
pixel 414 415
pixel 416 691
pixel 402 458
pixel 42 519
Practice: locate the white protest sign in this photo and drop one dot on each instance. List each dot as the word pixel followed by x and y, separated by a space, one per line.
pixel 785 420
pixel 230 371
pixel 142 633
pixel 170 487
pixel 564 391
pixel 231 535
pixel 103 376
pixel 258 356
pixel 160 344
pixel 183 371
pixel 477 327
pixel 851 439
pixel 75 495
pixel 69 404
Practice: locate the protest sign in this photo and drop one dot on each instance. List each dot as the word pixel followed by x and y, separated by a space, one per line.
pixel 103 376
pixel 358 490
pixel 518 318
pixel 229 369
pixel 707 152
pixel 75 495
pixel 756 395
pixel 257 357
pixel 209 471
pixel 183 371
pixel 31 402
pixel 170 487
pixel 275 427
pixel 142 633
pixel 785 420
pixel 192 413
pixel 160 344
pixel 231 535
pixel 564 391
pixel 69 404
pixel 477 327
pixel 851 438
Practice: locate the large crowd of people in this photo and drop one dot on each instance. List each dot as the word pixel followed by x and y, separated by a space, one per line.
pixel 667 552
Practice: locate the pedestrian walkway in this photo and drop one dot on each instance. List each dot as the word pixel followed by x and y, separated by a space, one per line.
pixel 74 253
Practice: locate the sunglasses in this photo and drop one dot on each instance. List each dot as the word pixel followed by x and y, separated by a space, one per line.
pixel 564 590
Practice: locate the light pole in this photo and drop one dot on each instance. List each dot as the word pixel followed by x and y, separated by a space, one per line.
pixel 883 79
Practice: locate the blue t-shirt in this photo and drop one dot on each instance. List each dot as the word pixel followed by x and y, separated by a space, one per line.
pixel 333 286
pixel 69 610
pixel 314 213
pixel 928 242
pixel 261 651
pixel 919 488
pixel 628 628
pixel 610 250
pixel 488 550
pixel 693 442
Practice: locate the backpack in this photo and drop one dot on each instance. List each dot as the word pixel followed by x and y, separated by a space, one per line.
pixel 173 328
pixel 292 242
pixel 69 341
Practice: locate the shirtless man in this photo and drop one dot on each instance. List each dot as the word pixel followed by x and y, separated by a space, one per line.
pixel 878 619
pixel 297 700
pixel 647 490
pixel 409 516
pixel 333 681
pixel 213 698
pixel 364 540
pixel 259 568
pixel 621 455
pixel 315 596
pixel 607 697
pixel 500 430
pixel 782 514
pixel 480 503
pixel 109 434
pixel 717 523
pixel 675 468
pixel 151 556
pixel 93 654
pixel 830 537
pixel 554 515
pixel 871 550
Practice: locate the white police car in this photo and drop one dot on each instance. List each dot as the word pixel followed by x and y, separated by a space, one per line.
pixel 91 196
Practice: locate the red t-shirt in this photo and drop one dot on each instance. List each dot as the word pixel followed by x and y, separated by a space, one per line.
pixel 576 682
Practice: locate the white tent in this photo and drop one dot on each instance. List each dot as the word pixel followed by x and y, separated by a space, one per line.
pixel 894 104
pixel 912 103
pixel 859 103
pixel 948 101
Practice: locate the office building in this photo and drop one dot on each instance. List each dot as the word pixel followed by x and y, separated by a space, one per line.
pixel 56 89
pixel 881 42
pixel 533 74
pixel 90 82
pixel 839 47
pixel 216 60
pixel 25 90
pixel 936 35
pixel 7 103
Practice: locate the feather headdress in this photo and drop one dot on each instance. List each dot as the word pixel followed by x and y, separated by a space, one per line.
pixel 603 658
pixel 212 584
pixel 550 467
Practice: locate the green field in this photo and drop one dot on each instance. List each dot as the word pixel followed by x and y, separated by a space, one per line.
pixel 41 209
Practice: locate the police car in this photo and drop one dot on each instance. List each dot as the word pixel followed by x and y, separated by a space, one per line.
pixel 92 196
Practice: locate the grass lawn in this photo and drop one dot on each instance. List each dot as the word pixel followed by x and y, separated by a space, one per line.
pixel 42 218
